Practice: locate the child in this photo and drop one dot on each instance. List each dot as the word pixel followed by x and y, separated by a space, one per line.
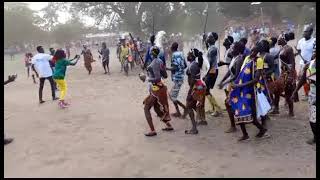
pixel 60 72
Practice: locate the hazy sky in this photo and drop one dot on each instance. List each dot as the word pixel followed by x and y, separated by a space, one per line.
pixel 63 17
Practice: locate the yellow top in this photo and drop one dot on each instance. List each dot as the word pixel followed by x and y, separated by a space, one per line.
pixel 259 64
pixel 124 51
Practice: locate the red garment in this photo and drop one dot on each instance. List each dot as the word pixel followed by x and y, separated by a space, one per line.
pixel 54 60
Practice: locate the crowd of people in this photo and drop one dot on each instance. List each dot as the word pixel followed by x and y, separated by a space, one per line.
pixel 258 75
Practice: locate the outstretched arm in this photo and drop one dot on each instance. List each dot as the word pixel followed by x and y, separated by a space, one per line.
pixel 10 79
pixel 74 61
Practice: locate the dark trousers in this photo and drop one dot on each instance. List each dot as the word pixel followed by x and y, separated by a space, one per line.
pixel 51 84
pixel 210 80
pixel 313 128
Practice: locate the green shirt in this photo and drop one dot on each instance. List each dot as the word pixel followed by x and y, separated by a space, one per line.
pixel 60 68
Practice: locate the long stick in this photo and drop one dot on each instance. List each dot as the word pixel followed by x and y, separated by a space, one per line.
pixel 205 25
pixel 152 24
pixel 204 29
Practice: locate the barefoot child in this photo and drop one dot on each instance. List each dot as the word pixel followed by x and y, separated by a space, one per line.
pixel 60 72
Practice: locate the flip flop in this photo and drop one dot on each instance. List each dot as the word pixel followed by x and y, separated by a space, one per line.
pixel 243 138
pixel 167 129
pixel 191 131
pixel 261 133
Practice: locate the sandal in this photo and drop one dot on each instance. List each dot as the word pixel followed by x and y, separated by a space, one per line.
pixel 167 129
pixel 62 105
pixel 191 131
pixel 243 138
pixel 152 133
pixel 261 133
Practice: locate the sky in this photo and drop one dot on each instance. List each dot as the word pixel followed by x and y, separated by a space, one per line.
pixel 63 17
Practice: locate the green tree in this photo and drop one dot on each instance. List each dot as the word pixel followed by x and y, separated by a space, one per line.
pixel 71 30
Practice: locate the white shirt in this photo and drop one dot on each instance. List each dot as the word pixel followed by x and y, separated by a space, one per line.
pixel 42 65
pixel 306 48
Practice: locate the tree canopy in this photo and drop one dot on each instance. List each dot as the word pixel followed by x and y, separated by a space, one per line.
pixel 20 24
pixel 141 18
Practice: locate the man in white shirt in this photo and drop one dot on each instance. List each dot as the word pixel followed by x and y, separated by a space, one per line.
pixel 305 49
pixel 41 66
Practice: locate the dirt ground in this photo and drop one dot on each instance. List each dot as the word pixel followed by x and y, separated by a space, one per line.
pixel 101 134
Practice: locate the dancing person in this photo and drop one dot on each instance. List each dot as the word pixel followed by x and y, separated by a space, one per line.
pixel 246 51
pixel 304 48
pixel 27 62
pixel 267 75
pixel 10 79
pixel 178 65
pixel 233 71
pixel 60 73
pixel 148 57
pixel 287 81
pixel 227 43
pixel 88 58
pixel 197 91
pixel 124 52
pixel 130 56
pixel 242 96
pixel 118 51
pixel 254 38
pixel 275 51
pixel 104 52
pixel 212 74
pixel 41 67
pixel 157 97
pixel 309 75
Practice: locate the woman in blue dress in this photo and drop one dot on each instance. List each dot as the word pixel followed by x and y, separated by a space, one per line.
pixel 243 94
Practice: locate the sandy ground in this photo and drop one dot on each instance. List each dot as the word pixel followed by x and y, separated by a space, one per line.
pixel 101 134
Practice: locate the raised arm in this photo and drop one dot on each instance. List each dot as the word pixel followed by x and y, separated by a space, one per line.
pixel 10 79
pixel 74 61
